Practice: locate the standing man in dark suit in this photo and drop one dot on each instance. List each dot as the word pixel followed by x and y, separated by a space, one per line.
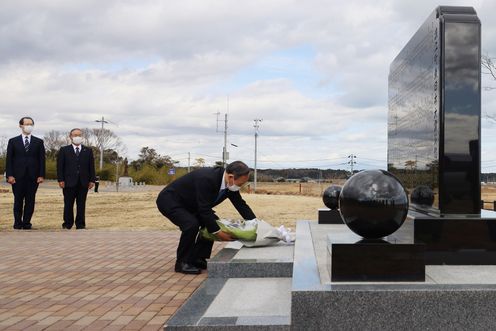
pixel 188 201
pixel 25 170
pixel 76 175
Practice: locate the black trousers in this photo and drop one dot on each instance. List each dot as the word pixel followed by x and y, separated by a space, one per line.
pixel 191 245
pixel 78 194
pixel 24 200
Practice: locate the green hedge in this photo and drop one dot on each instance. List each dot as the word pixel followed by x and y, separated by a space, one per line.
pixel 150 175
pixel 2 165
pixel 147 174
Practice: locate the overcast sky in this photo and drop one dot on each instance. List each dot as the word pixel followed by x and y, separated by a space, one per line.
pixel 314 71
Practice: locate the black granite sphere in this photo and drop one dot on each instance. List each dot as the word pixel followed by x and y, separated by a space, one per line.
pixel 422 195
pixel 331 197
pixel 373 203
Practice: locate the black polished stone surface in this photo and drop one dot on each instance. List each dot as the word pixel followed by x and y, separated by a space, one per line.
pixel 329 216
pixel 331 196
pixel 423 196
pixel 373 203
pixel 391 259
pixel 456 240
pixel 434 110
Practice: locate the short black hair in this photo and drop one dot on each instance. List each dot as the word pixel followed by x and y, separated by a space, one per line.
pixel 70 133
pixel 238 169
pixel 21 121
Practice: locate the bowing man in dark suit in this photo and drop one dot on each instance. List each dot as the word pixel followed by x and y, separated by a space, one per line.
pixel 188 201
pixel 76 175
pixel 25 170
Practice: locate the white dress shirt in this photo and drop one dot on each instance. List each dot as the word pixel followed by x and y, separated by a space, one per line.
pixel 78 146
pixel 223 182
pixel 223 186
pixel 24 136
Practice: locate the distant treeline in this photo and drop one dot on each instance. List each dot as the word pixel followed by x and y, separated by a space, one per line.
pixel 488 177
pixel 305 174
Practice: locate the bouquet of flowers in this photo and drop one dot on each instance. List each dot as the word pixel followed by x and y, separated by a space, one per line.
pixel 252 233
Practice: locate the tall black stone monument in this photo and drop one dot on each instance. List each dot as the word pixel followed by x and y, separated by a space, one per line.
pixel 434 135
pixel 434 110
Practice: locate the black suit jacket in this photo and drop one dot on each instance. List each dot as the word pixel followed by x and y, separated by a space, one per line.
pixel 20 163
pixel 71 168
pixel 198 192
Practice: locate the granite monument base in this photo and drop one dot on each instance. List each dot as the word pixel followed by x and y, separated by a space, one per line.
pixel 329 216
pixel 391 259
pixel 452 297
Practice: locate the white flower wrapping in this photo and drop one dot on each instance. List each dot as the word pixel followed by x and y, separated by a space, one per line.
pixel 252 233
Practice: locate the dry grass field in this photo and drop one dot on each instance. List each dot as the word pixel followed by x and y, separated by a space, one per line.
pixel 277 203
pixel 488 196
pixel 306 189
pixel 138 211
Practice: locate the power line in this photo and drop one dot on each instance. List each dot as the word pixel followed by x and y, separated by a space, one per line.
pixel 256 126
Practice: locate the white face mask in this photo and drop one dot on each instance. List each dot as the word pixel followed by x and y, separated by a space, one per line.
pixel 233 188
pixel 27 129
pixel 77 140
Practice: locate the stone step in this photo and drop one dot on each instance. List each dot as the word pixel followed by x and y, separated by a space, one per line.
pixel 235 261
pixel 459 297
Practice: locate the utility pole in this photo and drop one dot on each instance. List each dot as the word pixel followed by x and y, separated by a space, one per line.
pixel 320 181
pixel 256 126
pixel 189 162
pixel 103 121
pixel 117 175
pixel 351 162
pixel 225 153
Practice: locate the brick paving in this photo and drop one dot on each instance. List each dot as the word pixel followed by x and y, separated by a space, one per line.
pixel 91 280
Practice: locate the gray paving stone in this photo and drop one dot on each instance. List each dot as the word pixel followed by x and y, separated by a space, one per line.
pixel 252 297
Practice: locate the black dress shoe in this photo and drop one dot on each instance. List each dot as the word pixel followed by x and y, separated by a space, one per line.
pixel 65 227
pixel 17 227
pixel 188 269
pixel 201 263
pixel 27 227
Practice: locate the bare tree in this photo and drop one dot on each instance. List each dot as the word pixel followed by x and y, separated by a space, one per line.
pixel 199 162
pixel 103 137
pixel 489 68
pixel 54 140
pixel 3 146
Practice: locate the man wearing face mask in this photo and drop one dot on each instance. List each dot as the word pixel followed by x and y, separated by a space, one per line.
pixel 25 170
pixel 76 175
pixel 188 201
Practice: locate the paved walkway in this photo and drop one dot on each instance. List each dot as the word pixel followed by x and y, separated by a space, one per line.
pixel 90 280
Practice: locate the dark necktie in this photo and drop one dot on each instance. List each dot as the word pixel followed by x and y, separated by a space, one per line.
pixel 26 144
pixel 77 151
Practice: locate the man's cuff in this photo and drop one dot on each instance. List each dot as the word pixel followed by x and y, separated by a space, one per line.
pixel 213 228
